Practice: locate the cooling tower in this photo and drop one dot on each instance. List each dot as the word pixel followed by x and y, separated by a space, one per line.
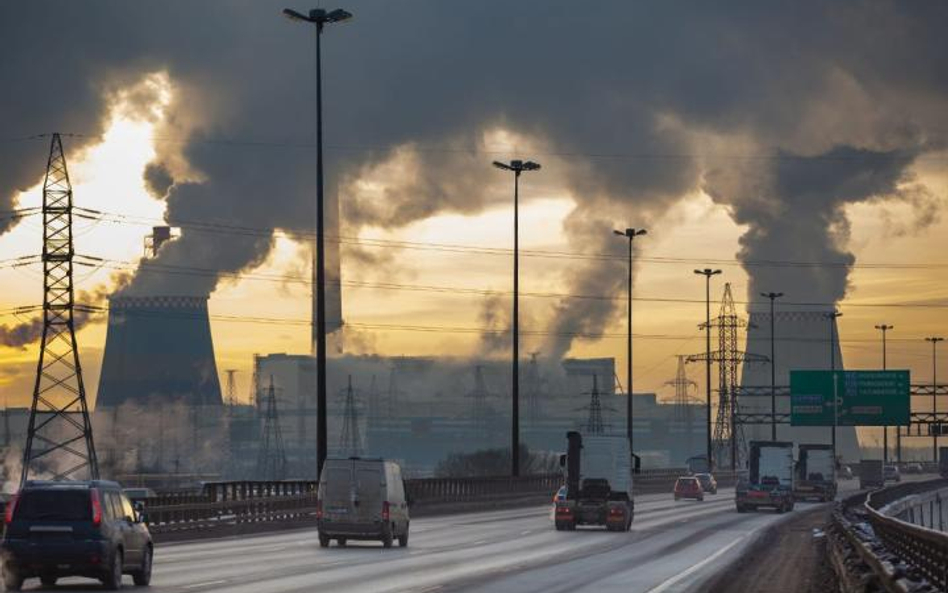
pixel 158 347
pixel 803 342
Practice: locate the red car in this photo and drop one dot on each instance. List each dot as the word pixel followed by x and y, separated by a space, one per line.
pixel 688 487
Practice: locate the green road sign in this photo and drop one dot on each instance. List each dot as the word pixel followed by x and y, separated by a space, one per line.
pixel 864 398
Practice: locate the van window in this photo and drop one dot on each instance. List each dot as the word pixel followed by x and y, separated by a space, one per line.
pixel 337 485
pixel 54 505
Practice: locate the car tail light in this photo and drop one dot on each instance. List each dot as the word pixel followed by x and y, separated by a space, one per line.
pixel 11 506
pixel 319 509
pixel 96 508
pixel 385 511
pixel 563 510
pixel 616 512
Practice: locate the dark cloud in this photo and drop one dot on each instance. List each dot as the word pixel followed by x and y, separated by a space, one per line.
pixel 630 96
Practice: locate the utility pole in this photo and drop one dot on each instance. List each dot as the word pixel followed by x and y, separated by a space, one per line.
pixel 518 167
pixel 707 273
pixel 773 296
pixel 935 425
pixel 320 17
pixel 631 234
pixel 885 429
pixel 832 317
pixel 59 421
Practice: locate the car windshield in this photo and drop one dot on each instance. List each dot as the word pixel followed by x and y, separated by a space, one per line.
pixel 54 505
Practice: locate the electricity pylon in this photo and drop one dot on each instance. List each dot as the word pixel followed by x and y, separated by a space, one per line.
pixel 349 441
pixel 271 462
pixel 59 433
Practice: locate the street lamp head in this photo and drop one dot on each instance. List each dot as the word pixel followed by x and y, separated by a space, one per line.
pixel 934 339
pixel 620 233
pixel 518 166
pixel 295 16
pixel 337 16
pixel 707 272
pixel 318 16
pixel 885 327
pixel 639 232
pixel 771 295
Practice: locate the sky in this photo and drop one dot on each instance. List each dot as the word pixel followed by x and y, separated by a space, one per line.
pixel 738 137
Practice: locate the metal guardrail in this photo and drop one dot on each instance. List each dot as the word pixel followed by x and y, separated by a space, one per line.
pixel 876 551
pixel 230 503
pixel 925 549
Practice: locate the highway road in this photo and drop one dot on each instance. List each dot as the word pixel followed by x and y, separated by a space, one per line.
pixel 673 546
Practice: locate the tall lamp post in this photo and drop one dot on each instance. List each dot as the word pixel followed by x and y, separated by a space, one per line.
pixel 707 273
pixel 885 429
pixel 773 296
pixel 631 234
pixel 832 317
pixel 518 167
pixel 935 426
pixel 320 17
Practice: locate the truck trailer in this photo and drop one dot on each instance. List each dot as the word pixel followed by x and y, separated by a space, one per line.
pixel 871 474
pixel 770 478
pixel 598 471
pixel 816 473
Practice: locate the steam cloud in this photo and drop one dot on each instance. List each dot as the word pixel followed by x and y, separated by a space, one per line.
pixel 634 97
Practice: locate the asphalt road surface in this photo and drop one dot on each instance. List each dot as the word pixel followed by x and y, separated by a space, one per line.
pixel 673 546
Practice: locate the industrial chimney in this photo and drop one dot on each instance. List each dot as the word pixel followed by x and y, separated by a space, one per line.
pixel 159 347
pixel 802 342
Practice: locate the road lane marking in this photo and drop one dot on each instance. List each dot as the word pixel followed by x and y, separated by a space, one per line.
pixel 664 586
pixel 205 584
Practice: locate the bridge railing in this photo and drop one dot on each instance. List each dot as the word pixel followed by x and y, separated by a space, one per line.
pixel 235 503
pixel 872 543
pixel 924 548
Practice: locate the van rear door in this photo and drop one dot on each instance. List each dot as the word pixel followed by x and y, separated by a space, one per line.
pixel 370 483
pixel 337 497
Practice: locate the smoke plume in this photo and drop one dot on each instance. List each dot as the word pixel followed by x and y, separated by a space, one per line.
pixel 843 97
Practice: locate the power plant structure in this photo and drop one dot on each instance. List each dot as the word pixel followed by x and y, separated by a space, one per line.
pixel 158 349
pixel 805 339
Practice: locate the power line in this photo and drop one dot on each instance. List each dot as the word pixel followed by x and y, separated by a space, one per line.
pixel 496 150
pixel 241 230
pixel 154 268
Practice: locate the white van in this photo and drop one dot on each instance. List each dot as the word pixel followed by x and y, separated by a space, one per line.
pixel 362 499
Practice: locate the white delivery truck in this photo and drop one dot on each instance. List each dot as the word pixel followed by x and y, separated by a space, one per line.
pixel 816 473
pixel 598 471
pixel 770 479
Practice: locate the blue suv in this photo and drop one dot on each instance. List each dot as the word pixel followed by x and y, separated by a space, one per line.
pixel 87 529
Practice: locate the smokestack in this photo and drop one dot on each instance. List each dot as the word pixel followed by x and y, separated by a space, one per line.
pixel 803 342
pixel 334 332
pixel 158 237
pixel 159 347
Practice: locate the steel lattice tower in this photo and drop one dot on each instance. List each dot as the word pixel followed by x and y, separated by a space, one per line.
pixel 594 422
pixel 231 388
pixel 682 384
pixel 728 436
pixel 349 441
pixel 271 462
pixel 59 434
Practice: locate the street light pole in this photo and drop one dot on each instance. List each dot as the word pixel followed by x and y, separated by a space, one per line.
pixel 707 273
pixel 518 167
pixel 773 296
pixel 935 425
pixel 631 234
pixel 885 429
pixel 832 319
pixel 320 17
